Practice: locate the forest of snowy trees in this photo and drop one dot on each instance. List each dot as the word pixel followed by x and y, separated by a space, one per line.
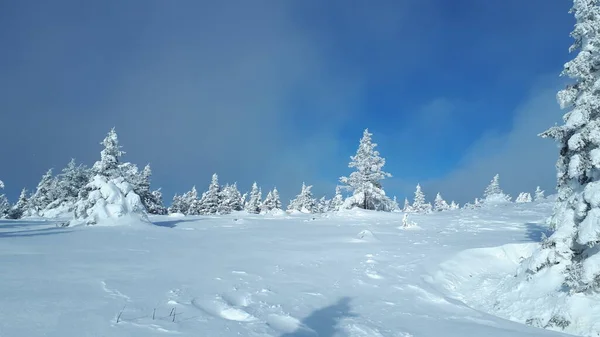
pixel 113 187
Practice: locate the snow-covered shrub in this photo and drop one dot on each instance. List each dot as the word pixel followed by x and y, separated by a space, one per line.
pixel 407 223
pixel 337 201
pixel 539 194
pixel 523 198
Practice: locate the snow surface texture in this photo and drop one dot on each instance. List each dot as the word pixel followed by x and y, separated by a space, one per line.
pixel 355 273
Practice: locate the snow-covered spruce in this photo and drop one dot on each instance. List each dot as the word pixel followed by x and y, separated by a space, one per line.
pixel 323 205
pixel 493 194
pixel 4 203
pixel 571 253
pixel 231 199
pixel 539 194
pixel 255 200
pixel 272 202
pixel 211 199
pixel 17 211
pixel 109 198
pixel 365 182
pixel 337 201
pixel 454 205
pixel 523 197
pixel 407 207
pixel 304 202
pixel 440 204
pixel 419 205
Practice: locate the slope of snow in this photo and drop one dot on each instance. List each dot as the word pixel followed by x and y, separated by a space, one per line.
pixel 353 273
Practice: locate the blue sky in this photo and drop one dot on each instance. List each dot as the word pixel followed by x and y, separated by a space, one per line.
pixel 280 91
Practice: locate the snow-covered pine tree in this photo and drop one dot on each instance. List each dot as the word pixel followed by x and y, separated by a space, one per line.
pixel 304 202
pixel 572 249
pixel 454 205
pixel 17 211
pixel 395 205
pixel 338 200
pixel 4 203
pixel 45 193
pixel 419 205
pixel 108 195
pixel 177 205
pixel 539 194
pixel 267 204
pixel 255 200
pixel 71 180
pixel 108 165
pixel 156 206
pixel 276 199
pixel 365 182
pixel 440 204
pixel 191 202
pixel 523 198
pixel 211 199
pixel 493 193
pixel 407 207
pixel 231 199
pixel 322 205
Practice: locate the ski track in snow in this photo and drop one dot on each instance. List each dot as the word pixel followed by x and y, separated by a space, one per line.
pixel 352 274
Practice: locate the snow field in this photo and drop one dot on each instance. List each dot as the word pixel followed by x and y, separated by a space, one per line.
pixel 353 273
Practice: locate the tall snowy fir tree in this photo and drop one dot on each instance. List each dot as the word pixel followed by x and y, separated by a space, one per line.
pixel 573 247
pixel 323 205
pixel 407 207
pixel 71 181
pixel 254 201
pixel 365 182
pixel 4 203
pixel 177 205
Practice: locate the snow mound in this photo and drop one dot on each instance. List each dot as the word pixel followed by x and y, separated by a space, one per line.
pixel 107 202
pixel 366 235
pixel 538 301
pixel 177 215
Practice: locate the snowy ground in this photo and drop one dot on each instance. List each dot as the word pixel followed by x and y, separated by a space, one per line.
pixel 286 276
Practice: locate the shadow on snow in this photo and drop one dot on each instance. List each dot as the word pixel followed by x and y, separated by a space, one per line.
pixel 172 223
pixel 34 232
pixel 535 231
pixel 324 322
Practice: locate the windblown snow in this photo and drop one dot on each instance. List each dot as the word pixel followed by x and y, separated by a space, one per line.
pixel 350 273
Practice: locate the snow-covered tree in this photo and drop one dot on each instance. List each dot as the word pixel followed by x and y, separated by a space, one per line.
pixel 254 201
pixel 407 207
pixel 337 201
pixel 177 205
pixel 440 204
pixel 4 203
pixel 191 202
pixel 395 205
pixel 45 193
pixel 211 199
pixel 304 202
pixel 454 205
pixel 539 194
pixel 493 193
pixel 231 199
pixel 156 206
pixel 17 211
pixel 365 182
pixel 523 198
pixel 419 205
pixel 271 201
pixel 108 165
pixel 322 205
pixel 572 249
